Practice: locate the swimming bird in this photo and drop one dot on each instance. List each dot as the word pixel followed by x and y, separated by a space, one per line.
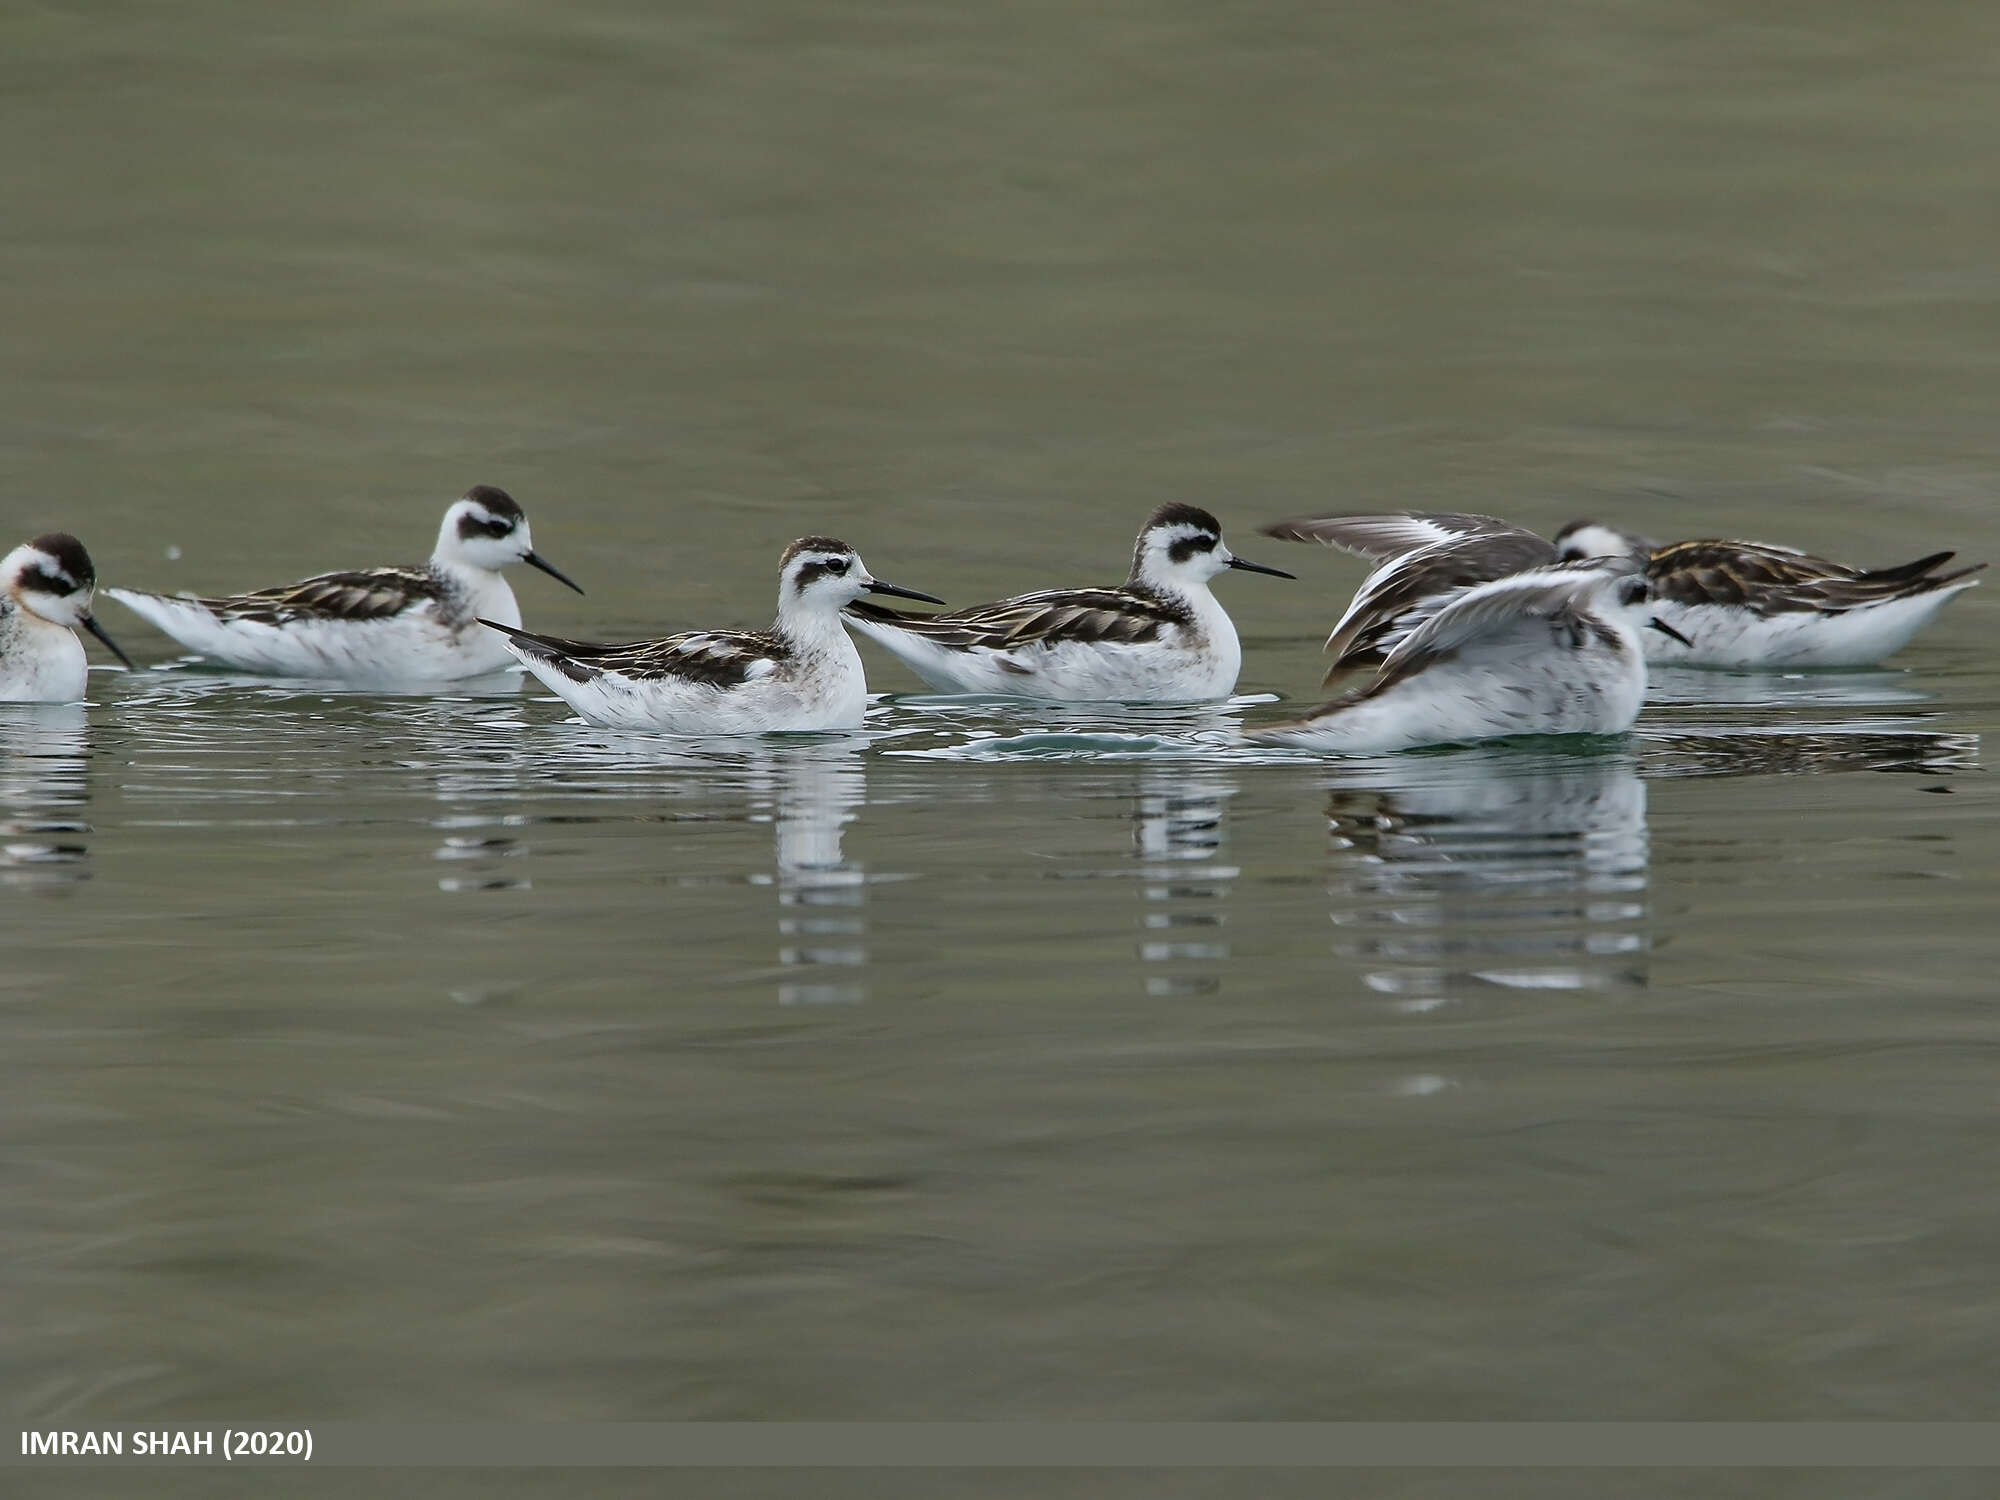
pixel 1747 604
pixel 375 623
pixel 1161 637
pixel 45 592
pixel 802 673
pixel 1552 650
pixel 1733 603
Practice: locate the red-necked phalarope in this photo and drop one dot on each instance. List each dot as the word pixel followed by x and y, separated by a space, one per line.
pixel 1161 638
pixel 1552 650
pixel 45 591
pixel 803 673
pixel 414 623
pixel 1736 604
pixel 1746 604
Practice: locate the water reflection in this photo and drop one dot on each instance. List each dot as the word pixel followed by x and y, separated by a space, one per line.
pixel 44 790
pixel 1767 752
pixel 810 796
pixel 190 679
pixel 483 777
pixel 1704 688
pixel 1178 835
pixel 1490 870
pixel 984 728
pixel 476 852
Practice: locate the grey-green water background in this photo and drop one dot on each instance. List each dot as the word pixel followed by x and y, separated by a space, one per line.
pixel 375 1056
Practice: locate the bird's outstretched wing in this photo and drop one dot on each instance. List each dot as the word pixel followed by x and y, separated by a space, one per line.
pixel 1523 617
pixel 1424 559
pixel 1491 612
pixel 1390 534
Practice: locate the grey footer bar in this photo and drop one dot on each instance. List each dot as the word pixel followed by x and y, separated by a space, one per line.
pixel 1026 1445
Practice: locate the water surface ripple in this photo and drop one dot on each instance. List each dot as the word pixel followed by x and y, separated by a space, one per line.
pixel 979 1015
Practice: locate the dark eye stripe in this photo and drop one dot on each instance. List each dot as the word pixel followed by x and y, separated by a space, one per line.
pixel 472 526
pixel 44 582
pixel 813 571
pixel 1187 546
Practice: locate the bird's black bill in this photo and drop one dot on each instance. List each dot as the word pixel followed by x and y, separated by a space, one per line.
pixel 877 586
pixel 536 560
pixel 1669 632
pixel 90 624
pixel 1250 567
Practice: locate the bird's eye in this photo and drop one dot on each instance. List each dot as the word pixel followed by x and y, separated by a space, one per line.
pixel 836 565
pixel 1636 591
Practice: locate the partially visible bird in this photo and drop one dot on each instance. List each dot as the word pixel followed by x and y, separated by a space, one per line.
pixel 1746 604
pixel 45 594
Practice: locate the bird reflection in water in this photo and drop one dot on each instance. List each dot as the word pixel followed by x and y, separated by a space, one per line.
pixel 479 827
pixel 811 794
pixel 1177 836
pixel 1766 752
pixel 1480 872
pixel 44 790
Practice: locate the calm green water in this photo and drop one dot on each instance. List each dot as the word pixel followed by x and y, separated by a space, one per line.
pixel 392 1057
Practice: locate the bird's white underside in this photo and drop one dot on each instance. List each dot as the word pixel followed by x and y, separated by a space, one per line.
pixel 40 661
pixel 1725 635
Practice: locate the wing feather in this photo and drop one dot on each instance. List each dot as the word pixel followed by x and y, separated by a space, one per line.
pixel 1490 609
pixel 1126 616
pixel 706 658
pixel 1776 580
pixel 1391 534
pixel 1424 560
pixel 366 594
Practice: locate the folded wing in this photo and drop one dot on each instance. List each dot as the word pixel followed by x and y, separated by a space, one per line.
pixel 1044 619
pixel 367 594
pixel 705 658
pixel 1776 580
